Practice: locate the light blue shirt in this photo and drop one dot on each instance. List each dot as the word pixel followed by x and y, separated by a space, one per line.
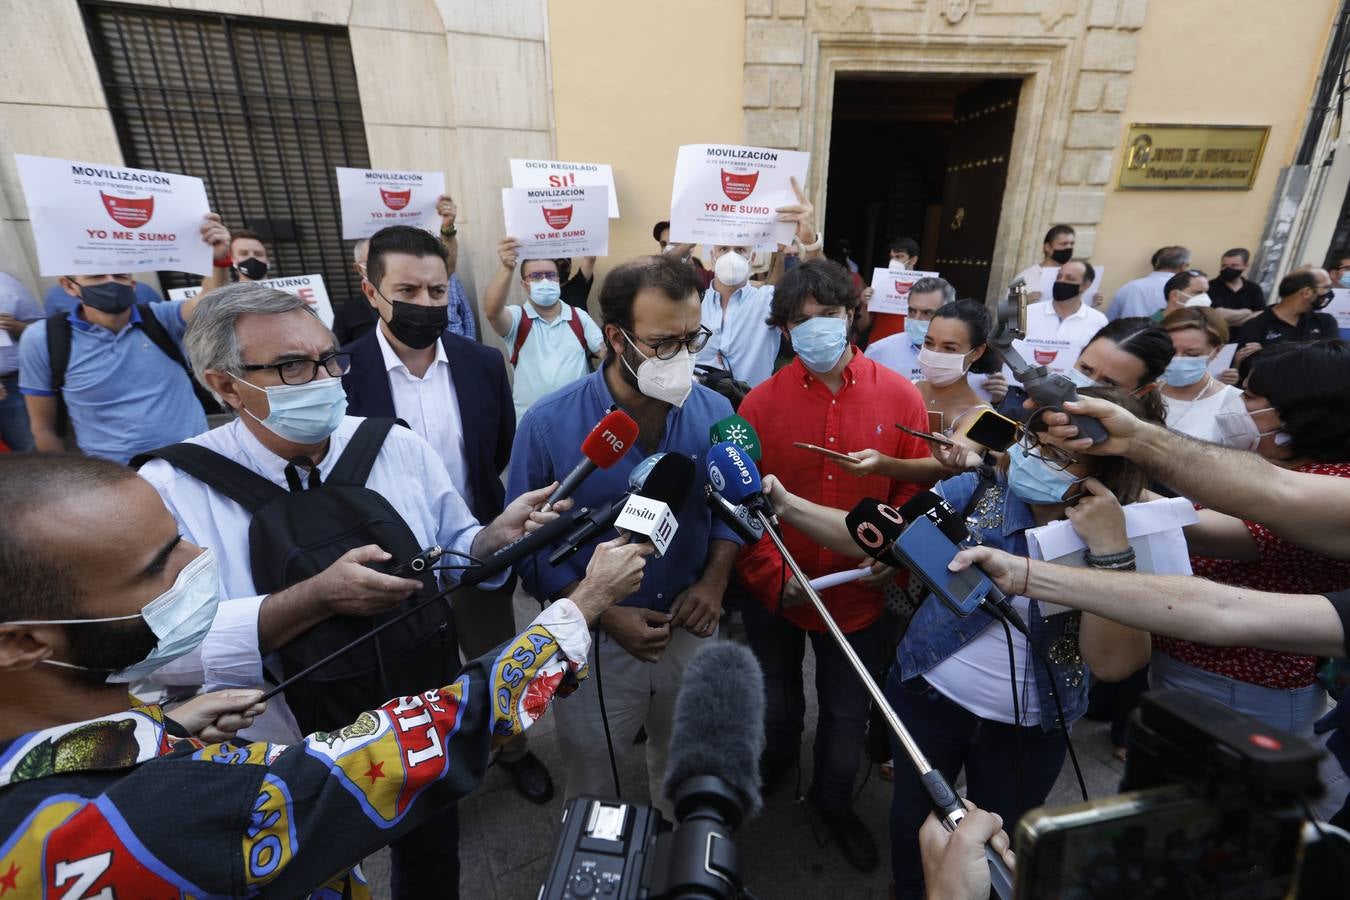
pixel 17 301
pixel 1141 297
pixel 123 394
pixel 741 343
pixel 551 356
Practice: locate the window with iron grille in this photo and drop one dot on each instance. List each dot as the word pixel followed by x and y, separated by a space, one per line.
pixel 261 110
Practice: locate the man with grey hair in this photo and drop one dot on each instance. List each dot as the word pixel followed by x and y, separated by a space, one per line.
pixel 265 355
pixel 354 318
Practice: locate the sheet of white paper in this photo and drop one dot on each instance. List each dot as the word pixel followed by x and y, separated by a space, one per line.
pixel 552 223
pixel 1340 308
pixel 310 288
pixel 554 174
pixel 95 219
pixel 1223 361
pixel 890 289
pixel 1047 285
pixel 374 199
pixel 726 194
pixel 1094 294
pixel 5 340
pixel 1154 530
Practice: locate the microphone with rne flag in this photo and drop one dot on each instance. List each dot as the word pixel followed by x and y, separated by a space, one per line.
pixel 608 441
pixel 736 430
pixel 939 511
pixel 734 476
pixel 663 477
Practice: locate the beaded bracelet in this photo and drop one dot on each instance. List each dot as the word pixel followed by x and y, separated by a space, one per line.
pixel 1124 561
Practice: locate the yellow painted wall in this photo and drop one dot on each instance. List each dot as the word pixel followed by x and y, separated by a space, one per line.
pixel 632 81
pixel 1222 62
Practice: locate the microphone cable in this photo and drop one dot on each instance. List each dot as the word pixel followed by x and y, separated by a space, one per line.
pixel 1017 713
pixel 604 717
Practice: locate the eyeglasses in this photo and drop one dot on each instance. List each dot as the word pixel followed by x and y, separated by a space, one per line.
pixel 542 276
pixel 1056 458
pixel 668 349
pixel 303 371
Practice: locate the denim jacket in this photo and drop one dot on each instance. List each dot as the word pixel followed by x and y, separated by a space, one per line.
pixel 935 632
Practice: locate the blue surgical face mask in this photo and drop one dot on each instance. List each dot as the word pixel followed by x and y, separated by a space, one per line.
pixel 820 341
pixel 180 618
pixel 1185 370
pixel 916 330
pixel 545 293
pixel 1035 482
pixel 1344 280
pixel 1079 379
pixel 303 413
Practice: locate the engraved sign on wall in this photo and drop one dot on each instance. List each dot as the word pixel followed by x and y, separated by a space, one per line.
pixel 1192 157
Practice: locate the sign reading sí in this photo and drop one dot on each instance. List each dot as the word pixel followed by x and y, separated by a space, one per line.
pixel 1192 157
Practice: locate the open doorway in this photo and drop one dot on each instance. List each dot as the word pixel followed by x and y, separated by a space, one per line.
pixel 925 159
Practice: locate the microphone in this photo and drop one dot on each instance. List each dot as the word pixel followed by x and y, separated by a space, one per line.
pixel 521 548
pixel 649 518
pixel 734 476
pixel 736 430
pixel 940 512
pixel 875 525
pixel 717 734
pixel 663 477
pixel 734 516
pixel 608 441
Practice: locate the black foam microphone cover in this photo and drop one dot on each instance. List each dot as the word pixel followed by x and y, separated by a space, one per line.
pixel 670 480
pixel 718 728
pixel 874 525
pixel 942 514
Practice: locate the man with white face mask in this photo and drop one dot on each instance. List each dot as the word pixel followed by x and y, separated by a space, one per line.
pixel 735 311
pixel 548 343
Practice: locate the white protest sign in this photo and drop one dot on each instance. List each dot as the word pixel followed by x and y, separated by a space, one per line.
pixel 1047 285
pixel 5 339
pixel 373 199
pixel 1224 361
pixel 553 223
pixel 309 288
pixel 553 174
pixel 1340 308
pixel 728 195
pixel 890 289
pixel 94 219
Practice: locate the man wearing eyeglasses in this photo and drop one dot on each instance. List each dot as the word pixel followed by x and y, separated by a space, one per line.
pixel 548 343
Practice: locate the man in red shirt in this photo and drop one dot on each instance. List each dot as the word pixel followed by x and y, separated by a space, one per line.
pixel 832 396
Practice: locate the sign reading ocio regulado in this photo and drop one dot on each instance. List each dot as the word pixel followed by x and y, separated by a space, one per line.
pixel 728 195
pixel 309 288
pixel 374 199
pixel 97 219
pixel 552 223
pixel 552 173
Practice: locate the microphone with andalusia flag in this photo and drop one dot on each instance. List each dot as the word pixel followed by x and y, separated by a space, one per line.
pixel 736 430
pixel 608 441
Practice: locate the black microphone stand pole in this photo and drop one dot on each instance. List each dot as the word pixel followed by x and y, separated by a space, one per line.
pixel 945 801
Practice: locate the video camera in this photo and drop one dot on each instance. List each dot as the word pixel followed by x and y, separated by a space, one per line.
pixel 1212 806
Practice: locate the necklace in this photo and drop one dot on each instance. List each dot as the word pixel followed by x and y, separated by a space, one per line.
pixel 1190 404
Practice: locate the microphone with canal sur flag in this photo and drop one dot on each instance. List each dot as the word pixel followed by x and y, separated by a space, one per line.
pixel 608 441
pixel 738 431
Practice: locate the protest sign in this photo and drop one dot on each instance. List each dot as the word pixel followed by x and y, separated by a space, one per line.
pixel 95 219
pixel 372 200
pixel 552 223
pixel 552 174
pixel 728 195
pixel 1224 361
pixel 309 288
pixel 890 289
pixel 1340 308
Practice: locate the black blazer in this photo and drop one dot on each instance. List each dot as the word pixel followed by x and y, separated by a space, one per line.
pixel 485 408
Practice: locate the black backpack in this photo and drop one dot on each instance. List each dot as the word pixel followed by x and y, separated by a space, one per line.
pixel 58 354
pixel 298 533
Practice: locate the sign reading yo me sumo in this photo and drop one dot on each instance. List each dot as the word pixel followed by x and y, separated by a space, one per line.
pixel 373 199
pixel 552 223
pixel 728 195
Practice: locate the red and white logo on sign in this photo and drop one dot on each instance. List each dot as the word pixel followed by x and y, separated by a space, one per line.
pixel 902 287
pixel 129 212
pixel 738 187
pixel 1045 357
pixel 396 200
pixel 557 219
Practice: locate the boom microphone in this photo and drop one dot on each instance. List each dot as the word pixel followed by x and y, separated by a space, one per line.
pixel 734 516
pixel 718 731
pixel 608 441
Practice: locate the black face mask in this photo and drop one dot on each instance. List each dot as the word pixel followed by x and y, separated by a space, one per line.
pixel 252 267
pixel 1322 301
pixel 1062 290
pixel 111 297
pixel 418 326
pixel 103 647
pixel 1062 256
pixel 1229 274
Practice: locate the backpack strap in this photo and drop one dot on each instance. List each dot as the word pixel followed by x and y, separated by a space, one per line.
pixel 522 332
pixel 353 467
pixel 574 320
pixel 159 336
pixel 58 356
pixel 242 485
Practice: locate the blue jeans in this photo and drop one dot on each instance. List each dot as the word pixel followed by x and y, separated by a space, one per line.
pixel 779 645
pixel 1010 769
pixel 14 428
pixel 1292 711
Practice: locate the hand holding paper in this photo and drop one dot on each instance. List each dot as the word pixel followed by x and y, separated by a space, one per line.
pixel 1099 520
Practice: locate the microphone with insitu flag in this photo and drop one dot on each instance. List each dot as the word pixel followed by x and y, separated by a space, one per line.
pixel 608 441
pixel 665 478
pixel 738 431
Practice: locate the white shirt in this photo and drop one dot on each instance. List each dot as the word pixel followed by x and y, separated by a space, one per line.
pixel 407 473
pixel 975 677
pixel 741 343
pixel 1033 276
pixel 551 356
pixel 896 353
pixel 1197 417
pixel 1055 342
pixel 431 408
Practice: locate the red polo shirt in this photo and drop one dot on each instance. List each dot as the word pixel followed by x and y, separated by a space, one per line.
pixel 795 405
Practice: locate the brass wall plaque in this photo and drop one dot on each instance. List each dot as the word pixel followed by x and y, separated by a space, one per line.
pixel 1192 157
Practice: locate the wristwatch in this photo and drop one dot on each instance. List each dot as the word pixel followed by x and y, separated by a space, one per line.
pixel 449 232
pixel 816 244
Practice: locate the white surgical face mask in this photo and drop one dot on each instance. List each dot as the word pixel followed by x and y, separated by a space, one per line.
pixel 1199 300
pixel 732 269
pixel 667 380
pixel 941 369
pixel 1238 429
